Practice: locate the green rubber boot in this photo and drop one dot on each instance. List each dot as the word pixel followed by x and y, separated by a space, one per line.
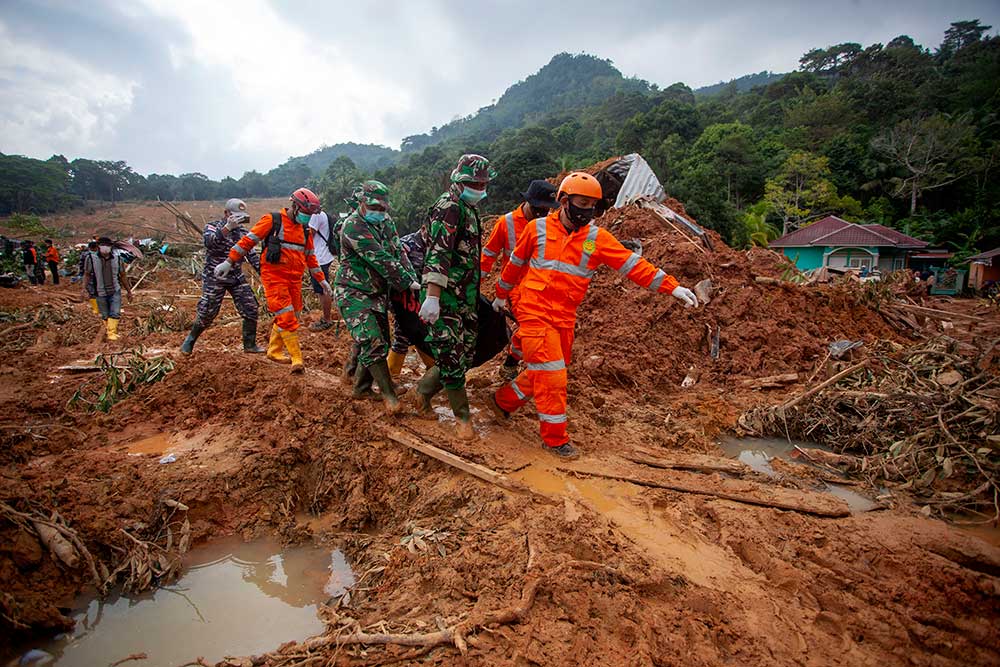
pixel 380 371
pixel 363 385
pixel 187 347
pixel 250 337
pixel 428 386
pixel 459 400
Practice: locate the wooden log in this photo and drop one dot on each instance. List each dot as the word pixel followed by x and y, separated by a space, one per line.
pixel 770 380
pixel 822 385
pixel 937 313
pixel 695 462
pixel 750 493
pixel 766 280
pixel 455 461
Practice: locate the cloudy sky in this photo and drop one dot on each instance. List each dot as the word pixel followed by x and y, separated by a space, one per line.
pixel 222 87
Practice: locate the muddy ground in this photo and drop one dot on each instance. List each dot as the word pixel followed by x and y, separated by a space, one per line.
pixel 680 578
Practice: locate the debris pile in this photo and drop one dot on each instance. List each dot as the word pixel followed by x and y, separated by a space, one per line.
pixel 925 418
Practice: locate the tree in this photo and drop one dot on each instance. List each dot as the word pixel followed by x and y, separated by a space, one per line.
pixel 801 187
pixel 931 152
pixel 337 183
pixel 960 35
pixel 758 230
pixel 729 149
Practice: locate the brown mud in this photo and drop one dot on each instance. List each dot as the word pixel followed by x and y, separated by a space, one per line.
pixel 688 579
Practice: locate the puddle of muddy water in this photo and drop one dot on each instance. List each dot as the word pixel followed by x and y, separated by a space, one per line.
pixel 758 453
pixel 154 444
pixel 235 598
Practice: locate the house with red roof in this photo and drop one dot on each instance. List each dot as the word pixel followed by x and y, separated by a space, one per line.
pixel 837 244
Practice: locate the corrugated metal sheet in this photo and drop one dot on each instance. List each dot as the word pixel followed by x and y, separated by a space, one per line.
pixel 640 182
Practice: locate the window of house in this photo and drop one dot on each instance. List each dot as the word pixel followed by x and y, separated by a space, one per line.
pixel 858 262
pixel 897 263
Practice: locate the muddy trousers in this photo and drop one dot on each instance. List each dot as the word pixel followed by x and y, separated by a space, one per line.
pixel 547 352
pixel 110 306
pixel 283 291
pixel 54 269
pixel 213 290
pixel 30 270
pixel 367 320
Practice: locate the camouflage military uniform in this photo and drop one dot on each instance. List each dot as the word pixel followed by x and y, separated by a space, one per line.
pixel 218 241
pixel 451 238
pixel 371 262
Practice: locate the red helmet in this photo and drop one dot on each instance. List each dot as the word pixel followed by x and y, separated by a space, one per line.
pixel 306 201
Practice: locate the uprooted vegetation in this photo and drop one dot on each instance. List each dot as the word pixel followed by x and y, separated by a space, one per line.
pixel 652 550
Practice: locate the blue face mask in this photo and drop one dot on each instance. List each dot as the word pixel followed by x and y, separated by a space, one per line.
pixel 302 218
pixel 470 196
pixel 374 216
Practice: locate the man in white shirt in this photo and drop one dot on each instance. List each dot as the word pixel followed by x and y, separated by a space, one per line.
pixel 325 245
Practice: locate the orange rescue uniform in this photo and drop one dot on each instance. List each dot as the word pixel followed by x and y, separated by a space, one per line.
pixel 282 281
pixel 500 245
pixel 553 268
pixel 52 255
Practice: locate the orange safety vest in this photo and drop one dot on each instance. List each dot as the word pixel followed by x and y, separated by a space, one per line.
pixel 553 268
pixel 502 239
pixel 52 254
pixel 296 247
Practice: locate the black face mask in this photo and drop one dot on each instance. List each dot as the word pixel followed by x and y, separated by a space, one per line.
pixel 578 216
pixel 538 212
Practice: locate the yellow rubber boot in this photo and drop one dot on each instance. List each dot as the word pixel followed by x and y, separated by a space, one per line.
pixel 426 358
pixel 276 347
pixel 93 307
pixel 395 361
pixel 112 329
pixel 291 340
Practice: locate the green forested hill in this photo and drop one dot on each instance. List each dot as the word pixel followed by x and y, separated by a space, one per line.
pixel 895 133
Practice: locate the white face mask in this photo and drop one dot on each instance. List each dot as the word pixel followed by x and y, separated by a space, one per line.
pixel 105 249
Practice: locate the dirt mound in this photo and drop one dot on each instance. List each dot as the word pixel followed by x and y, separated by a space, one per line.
pixel 650 341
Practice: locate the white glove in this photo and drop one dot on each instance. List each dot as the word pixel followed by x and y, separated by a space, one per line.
pixel 415 286
pixel 686 296
pixel 223 269
pixel 235 220
pixel 499 304
pixel 430 310
pixel 327 290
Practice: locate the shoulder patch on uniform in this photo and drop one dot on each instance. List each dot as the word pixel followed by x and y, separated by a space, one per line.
pixel 589 245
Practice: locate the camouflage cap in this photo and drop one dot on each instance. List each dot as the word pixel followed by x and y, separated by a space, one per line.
pixel 372 193
pixel 473 168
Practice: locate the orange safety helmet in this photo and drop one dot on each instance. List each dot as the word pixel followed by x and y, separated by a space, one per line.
pixel 580 183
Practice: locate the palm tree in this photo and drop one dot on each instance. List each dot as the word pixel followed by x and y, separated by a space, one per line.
pixel 759 231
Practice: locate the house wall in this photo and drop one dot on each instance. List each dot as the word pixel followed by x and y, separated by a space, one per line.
pixel 839 258
pixel 980 273
pixel 805 258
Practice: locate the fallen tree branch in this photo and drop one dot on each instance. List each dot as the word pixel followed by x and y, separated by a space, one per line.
pixel 821 386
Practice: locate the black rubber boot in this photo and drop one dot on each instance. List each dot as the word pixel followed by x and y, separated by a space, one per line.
pixel 351 365
pixel 187 347
pixel 250 337
pixel 363 385
pixel 380 371
pixel 428 386
pixel 459 400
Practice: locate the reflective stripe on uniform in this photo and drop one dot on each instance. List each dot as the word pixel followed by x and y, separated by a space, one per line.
pixel 293 246
pixel 517 390
pixel 507 286
pixel 657 280
pixel 253 237
pixel 557 365
pixel 552 419
pixel 511 237
pixel 516 261
pixel 579 270
pixel 286 309
pixel 489 253
pixel 238 249
pixel 629 264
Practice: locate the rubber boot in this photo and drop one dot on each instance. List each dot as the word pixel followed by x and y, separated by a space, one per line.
pixel 459 400
pixel 363 385
pixel 291 341
pixel 395 362
pixel 427 387
pixel 351 365
pixel 187 347
pixel 380 371
pixel 112 329
pixel 93 307
pixel 249 337
pixel 276 346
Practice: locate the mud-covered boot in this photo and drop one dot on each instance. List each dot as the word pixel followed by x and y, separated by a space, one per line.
pixel 459 400
pixel 427 387
pixel 276 347
pixel 351 365
pixel 187 347
pixel 363 379
pixel 291 341
pixel 380 371
pixel 249 337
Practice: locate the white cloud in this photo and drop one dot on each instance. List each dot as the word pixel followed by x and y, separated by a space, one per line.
pixel 55 104
pixel 296 91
